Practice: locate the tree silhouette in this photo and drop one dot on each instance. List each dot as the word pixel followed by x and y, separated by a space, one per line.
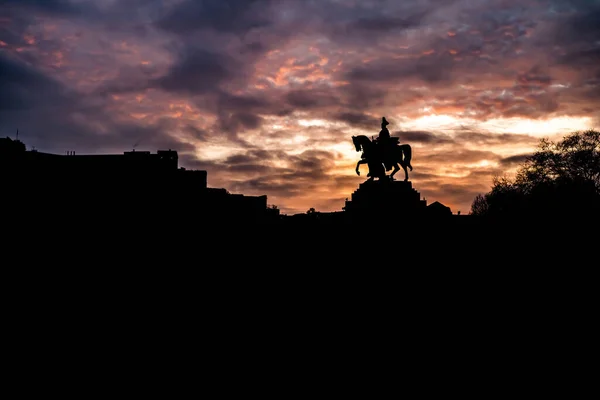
pixel 560 178
pixel 480 205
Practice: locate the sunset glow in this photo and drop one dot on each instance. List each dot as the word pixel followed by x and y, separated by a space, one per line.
pixel 266 95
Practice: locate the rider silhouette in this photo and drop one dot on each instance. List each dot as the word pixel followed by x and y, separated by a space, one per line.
pixel 384 143
pixel 384 134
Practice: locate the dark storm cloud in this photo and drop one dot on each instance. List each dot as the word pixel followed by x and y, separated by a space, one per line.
pixel 272 184
pixel 235 16
pixel 458 155
pixel 198 71
pixel 23 14
pixel 591 87
pixel 239 112
pixel 310 99
pixel 93 132
pixel 534 78
pixel 60 7
pixel 313 163
pixel 23 87
pixel 17 16
pixel 480 177
pixel 520 100
pixel 249 169
pixel 193 17
pixel 515 160
pixel 495 29
pixel 196 133
pixel 239 121
pixel 50 116
pixel 253 156
pixel 305 171
pixel 583 58
pixel 422 137
pixel 580 25
pixel 212 64
pixel 574 40
pixel 344 180
pixel 357 120
pixel 478 45
pixel 351 23
pixel 384 23
pixel 244 102
pixel 491 139
pixel 241 29
pixel 428 68
pixel 126 135
pixel 360 96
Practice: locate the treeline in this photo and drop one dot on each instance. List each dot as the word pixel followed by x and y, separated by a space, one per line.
pixel 559 180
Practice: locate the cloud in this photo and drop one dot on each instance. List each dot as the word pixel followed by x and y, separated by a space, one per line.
pixel 265 95
pixel 423 137
pixel 430 68
pixel 515 160
pixel 355 119
pixel 198 72
pixel 577 26
pixel 25 88
pixel 234 16
pixel 458 156
pixel 310 99
pixel 51 116
pixel 479 138
pixel 54 7
pixel 386 23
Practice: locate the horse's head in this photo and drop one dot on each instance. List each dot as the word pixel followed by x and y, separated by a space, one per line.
pixel 356 142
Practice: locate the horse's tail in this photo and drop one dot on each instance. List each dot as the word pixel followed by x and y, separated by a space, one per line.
pixel 407 152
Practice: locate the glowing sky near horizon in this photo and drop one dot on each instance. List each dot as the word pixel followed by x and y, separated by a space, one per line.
pixel 266 94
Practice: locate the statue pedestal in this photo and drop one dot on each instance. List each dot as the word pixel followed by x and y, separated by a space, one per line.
pixel 386 198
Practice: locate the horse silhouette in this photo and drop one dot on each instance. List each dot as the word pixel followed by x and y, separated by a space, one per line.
pixel 398 154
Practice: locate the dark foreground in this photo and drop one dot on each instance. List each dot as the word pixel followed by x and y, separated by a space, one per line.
pixel 183 277
pixel 175 240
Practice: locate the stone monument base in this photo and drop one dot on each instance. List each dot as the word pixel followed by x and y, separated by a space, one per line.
pixel 386 198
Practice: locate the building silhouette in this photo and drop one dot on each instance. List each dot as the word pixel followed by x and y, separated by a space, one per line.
pixel 437 209
pixel 135 184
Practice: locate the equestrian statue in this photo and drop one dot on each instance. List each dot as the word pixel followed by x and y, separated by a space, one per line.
pixel 383 154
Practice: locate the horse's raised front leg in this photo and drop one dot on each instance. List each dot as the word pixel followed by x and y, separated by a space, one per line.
pixel 358 164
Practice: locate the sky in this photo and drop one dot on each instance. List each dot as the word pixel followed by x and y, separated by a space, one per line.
pixel 265 95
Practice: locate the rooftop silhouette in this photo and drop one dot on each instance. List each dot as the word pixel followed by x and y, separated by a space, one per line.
pixel 118 185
